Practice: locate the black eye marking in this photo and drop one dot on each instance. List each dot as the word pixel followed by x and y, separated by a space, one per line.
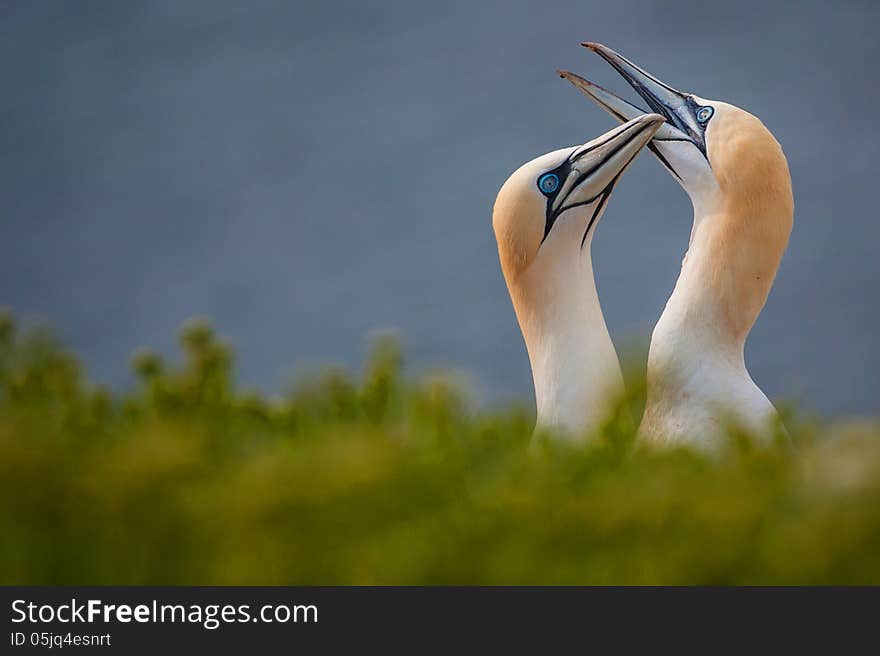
pixel 560 173
pixel 563 171
pixel 697 132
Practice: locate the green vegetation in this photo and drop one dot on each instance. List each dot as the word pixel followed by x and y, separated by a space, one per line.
pixel 377 479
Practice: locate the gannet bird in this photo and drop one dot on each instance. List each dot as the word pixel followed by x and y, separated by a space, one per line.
pixel 738 181
pixel 544 219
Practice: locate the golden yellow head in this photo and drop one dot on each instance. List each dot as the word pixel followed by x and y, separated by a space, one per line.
pixel 745 232
pixel 750 169
pixel 737 177
pixel 704 144
pixel 549 207
pixel 519 214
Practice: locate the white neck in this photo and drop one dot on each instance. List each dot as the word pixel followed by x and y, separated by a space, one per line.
pixel 574 365
pixel 697 377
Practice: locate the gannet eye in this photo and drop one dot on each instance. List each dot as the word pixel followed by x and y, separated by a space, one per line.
pixel 548 183
pixel 704 114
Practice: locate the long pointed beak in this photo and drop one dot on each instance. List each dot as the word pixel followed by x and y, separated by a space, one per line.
pixel 619 108
pixel 660 97
pixel 599 163
pixel 591 171
pixel 675 106
pixel 625 111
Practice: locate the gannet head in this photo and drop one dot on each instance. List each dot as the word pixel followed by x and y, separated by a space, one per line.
pixel 549 207
pixel 735 173
pixel 708 146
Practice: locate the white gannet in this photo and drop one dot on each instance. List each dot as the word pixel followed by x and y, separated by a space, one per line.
pixel 544 219
pixel 738 181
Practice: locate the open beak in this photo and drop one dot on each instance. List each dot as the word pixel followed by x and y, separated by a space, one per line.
pixel 676 107
pixel 619 108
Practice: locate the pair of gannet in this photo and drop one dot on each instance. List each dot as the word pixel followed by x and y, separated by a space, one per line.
pixel 737 178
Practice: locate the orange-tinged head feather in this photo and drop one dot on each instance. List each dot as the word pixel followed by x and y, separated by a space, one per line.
pixel 750 225
pixel 517 222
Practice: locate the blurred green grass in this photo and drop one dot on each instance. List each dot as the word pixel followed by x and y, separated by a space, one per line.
pixel 380 479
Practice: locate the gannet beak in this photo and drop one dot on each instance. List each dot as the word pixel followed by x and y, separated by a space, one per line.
pixel 591 171
pixel 619 108
pixel 596 166
pixel 624 111
pixel 678 108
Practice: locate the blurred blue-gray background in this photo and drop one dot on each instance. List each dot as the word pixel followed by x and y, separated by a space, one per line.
pixel 304 173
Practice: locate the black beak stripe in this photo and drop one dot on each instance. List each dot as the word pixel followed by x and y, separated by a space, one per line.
pixel 564 171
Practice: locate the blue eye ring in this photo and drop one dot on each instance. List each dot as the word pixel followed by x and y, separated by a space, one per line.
pixel 705 113
pixel 548 183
